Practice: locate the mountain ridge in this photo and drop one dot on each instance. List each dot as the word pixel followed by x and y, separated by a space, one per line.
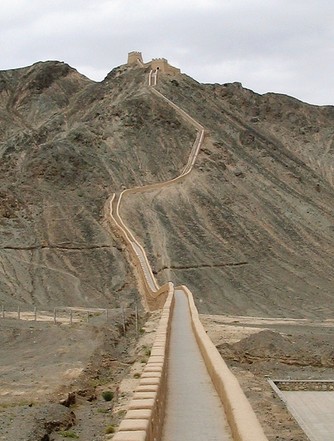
pixel 92 139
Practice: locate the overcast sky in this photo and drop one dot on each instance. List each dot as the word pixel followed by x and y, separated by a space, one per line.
pixel 284 46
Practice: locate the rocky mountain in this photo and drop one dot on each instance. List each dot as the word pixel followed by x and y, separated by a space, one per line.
pixel 250 231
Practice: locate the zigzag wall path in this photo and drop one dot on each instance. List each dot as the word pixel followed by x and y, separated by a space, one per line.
pixel 186 393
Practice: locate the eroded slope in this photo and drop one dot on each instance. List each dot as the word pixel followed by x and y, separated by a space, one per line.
pixel 251 230
pixel 66 144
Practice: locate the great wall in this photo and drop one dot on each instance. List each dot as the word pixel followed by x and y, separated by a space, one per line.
pixel 160 408
pixel 157 64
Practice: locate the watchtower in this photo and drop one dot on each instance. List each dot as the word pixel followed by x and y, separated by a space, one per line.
pixel 134 56
pixel 157 64
pixel 163 66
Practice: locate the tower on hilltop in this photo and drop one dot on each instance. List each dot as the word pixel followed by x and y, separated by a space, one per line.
pixel 160 64
pixel 134 57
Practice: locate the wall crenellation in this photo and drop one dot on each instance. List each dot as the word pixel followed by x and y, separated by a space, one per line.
pixel 161 64
pixel 134 57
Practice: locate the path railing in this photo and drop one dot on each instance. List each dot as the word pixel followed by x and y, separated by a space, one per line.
pixel 71 315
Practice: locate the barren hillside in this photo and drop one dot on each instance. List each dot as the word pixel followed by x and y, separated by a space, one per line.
pixel 250 231
pixel 66 144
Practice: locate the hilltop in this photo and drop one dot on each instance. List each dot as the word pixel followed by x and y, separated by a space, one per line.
pixel 250 231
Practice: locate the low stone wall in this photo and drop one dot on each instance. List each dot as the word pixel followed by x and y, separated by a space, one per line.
pixel 144 419
pixel 155 296
pixel 240 415
pixel 304 385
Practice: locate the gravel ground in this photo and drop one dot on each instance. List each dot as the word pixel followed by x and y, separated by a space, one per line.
pixel 43 365
pixel 257 349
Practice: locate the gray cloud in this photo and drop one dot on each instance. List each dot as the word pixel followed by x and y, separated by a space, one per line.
pixel 269 45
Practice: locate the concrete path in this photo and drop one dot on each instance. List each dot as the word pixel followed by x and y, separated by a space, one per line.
pixel 144 266
pixel 194 411
pixel 314 411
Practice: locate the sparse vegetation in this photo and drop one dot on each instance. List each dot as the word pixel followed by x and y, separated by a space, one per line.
pixel 110 429
pixel 147 351
pixel 4 406
pixel 121 413
pixel 99 381
pixel 108 395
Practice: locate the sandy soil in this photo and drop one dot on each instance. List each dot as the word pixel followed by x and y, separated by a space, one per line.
pixel 43 364
pixel 257 349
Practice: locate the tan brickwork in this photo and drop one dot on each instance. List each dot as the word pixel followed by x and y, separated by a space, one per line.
pixel 241 417
pixel 144 419
pixel 160 64
pixel 134 57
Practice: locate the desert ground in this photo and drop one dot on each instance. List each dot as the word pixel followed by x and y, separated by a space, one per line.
pixel 250 233
pixel 257 349
pixel 53 376
pixel 43 365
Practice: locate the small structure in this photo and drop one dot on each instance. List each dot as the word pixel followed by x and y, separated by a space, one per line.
pixel 135 57
pixel 160 64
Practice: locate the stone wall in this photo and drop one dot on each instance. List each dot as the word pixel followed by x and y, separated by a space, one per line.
pixel 144 418
pixel 304 385
pixel 163 66
pixel 134 56
pixel 160 64
pixel 241 417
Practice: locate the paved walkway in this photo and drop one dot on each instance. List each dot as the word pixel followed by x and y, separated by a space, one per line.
pixel 314 411
pixel 143 264
pixel 194 411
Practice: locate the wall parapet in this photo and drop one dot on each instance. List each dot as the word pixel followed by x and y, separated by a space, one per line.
pixel 134 57
pixel 144 418
pixel 160 64
pixel 241 417
pixel 155 296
